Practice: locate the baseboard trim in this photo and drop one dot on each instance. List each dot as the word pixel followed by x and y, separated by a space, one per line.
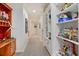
pixel 19 51
pixel 47 51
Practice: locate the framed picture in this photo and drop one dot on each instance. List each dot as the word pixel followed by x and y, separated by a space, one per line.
pixel 26 25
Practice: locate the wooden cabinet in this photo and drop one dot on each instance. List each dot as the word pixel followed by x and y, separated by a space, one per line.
pixel 7 45
pixel 13 47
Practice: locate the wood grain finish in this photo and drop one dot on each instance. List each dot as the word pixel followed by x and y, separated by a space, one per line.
pixel 7 47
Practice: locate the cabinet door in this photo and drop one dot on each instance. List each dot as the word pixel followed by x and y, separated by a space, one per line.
pixel 8 50
pixel 2 51
pixel 13 47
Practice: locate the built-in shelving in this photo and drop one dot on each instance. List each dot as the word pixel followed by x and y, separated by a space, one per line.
pixel 69 21
pixel 4 23
pixel 71 8
pixel 62 38
pixel 59 29
pixel 67 24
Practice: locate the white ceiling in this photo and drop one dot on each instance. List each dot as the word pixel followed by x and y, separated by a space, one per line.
pixel 29 7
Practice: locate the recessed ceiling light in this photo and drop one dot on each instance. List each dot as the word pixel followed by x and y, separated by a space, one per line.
pixel 34 11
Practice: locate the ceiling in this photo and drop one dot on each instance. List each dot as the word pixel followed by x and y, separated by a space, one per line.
pixel 36 7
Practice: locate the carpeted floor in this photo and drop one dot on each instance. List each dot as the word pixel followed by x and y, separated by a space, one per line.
pixel 34 48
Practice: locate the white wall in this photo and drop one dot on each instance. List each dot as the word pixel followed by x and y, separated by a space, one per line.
pixel 54 29
pixel 41 27
pixel 46 41
pixel 25 14
pixel 19 27
pixel 32 30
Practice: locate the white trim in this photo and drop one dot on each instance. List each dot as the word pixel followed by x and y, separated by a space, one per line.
pixel 74 42
pixel 17 51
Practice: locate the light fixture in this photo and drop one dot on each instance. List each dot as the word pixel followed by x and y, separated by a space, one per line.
pixel 34 11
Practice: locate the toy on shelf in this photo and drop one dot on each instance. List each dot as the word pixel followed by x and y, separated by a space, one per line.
pixel 63 49
pixel 66 5
pixel 64 33
pixel 69 33
pixel 3 15
pixel 74 34
pixel 64 17
pixel 67 49
pixel 74 15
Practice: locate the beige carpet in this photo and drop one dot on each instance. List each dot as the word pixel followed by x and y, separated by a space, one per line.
pixel 34 48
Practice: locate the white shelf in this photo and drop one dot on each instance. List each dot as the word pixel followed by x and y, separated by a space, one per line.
pixel 72 8
pixel 58 54
pixel 70 21
pixel 77 43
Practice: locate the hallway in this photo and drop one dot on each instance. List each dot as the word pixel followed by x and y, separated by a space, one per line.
pixel 39 29
pixel 34 47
